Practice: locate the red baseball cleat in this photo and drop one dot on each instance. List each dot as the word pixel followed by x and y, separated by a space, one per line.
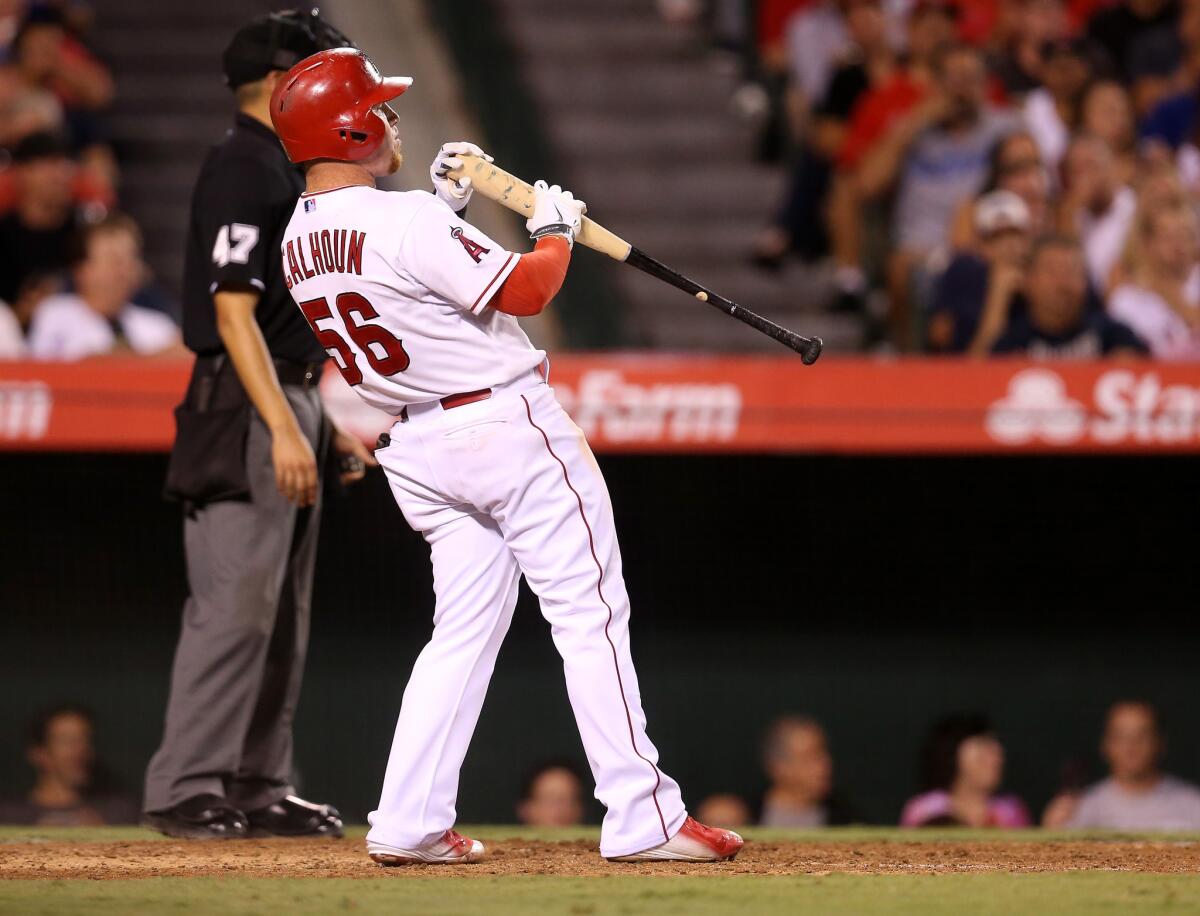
pixel 451 847
pixel 695 842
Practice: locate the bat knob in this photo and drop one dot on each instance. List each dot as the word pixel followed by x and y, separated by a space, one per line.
pixel 812 351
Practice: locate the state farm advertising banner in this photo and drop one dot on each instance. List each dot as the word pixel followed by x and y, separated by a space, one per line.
pixel 652 403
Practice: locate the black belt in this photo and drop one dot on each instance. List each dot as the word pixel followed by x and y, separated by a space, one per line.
pixel 289 372
pixel 306 375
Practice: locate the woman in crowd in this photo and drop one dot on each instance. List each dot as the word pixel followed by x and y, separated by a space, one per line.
pixel 1106 111
pixel 1052 110
pixel 1161 299
pixel 1015 165
pixel 963 766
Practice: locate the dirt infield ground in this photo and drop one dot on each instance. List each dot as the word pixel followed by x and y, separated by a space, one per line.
pixel 579 859
pixel 863 871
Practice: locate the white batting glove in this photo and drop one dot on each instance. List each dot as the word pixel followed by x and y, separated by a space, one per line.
pixel 555 212
pixel 454 193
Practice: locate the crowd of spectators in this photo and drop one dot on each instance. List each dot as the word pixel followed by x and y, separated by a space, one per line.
pixel 70 264
pixel 961 781
pixel 991 176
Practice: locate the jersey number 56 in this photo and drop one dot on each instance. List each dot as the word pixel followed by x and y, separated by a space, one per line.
pixel 384 352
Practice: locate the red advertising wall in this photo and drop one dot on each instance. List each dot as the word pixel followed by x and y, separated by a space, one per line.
pixel 652 403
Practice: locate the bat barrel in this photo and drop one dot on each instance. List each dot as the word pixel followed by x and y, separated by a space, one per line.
pixel 809 348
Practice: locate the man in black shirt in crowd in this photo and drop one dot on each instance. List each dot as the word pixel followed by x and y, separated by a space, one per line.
pixel 35 235
pixel 247 465
pixel 1050 318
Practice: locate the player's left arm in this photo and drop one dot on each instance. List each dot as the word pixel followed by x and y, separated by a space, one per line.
pixel 556 218
pixel 457 261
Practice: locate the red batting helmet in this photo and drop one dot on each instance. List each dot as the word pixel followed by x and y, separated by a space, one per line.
pixel 323 108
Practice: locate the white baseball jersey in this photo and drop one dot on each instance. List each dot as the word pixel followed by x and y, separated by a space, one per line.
pixel 396 287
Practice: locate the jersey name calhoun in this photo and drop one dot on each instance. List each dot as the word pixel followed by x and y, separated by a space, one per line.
pixel 396 286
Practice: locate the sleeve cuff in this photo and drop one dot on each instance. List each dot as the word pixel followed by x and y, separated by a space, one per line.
pixel 497 281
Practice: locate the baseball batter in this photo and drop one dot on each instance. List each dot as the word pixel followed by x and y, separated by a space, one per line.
pixel 418 308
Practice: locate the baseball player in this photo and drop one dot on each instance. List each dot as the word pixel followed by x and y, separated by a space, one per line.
pixel 418 308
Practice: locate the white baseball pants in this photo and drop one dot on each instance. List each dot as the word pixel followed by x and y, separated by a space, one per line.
pixel 498 488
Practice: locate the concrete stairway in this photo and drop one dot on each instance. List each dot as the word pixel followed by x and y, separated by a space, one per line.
pixel 171 106
pixel 640 120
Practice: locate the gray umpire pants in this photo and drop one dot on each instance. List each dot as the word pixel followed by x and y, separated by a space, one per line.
pixel 240 658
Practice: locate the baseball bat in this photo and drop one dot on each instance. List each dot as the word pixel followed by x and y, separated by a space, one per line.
pixel 509 191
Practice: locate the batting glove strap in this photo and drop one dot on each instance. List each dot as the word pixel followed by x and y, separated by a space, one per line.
pixel 561 229
pixel 555 212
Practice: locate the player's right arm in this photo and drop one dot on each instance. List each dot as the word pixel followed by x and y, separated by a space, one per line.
pixel 236 219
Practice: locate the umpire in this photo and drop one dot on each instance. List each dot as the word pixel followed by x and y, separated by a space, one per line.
pixel 251 437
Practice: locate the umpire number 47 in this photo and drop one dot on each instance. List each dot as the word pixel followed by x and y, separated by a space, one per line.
pixel 234 244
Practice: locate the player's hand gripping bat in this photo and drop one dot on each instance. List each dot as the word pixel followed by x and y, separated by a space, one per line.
pixel 509 191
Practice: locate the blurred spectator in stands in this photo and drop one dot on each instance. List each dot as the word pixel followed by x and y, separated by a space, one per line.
pixel 97 318
pixel 1050 317
pixel 1015 165
pixel 934 157
pixel 1118 28
pixel 11 14
pixel 1161 301
pixel 1097 206
pixel 1155 63
pixel 800 769
pixel 962 765
pixel 48 59
pixel 551 796
pixel 1137 795
pixel 1052 110
pixel 880 110
pixel 724 810
pixel 45 54
pixel 983 279
pixel 1106 112
pixel 70 789
pixel 1159 187
pixel 12 340
pixel 762 97
pixel 26 110
pixel 1172 114
pixel 869 61
pixel 815 38
pixel 1020 62
pixel 26 101
pixel 35 233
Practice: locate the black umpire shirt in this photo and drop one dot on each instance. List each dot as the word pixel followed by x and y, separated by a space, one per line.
pixel 241 206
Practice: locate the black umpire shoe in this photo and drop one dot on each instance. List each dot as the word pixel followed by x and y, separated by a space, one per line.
pixel 295 817
pixel 202 817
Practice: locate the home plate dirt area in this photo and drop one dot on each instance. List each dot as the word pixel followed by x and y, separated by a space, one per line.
pixel 347 859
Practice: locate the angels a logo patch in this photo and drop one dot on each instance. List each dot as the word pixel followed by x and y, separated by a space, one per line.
pixel 474 249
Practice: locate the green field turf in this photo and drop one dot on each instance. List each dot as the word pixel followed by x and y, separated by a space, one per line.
pixel 1096 892
pixel 1090 893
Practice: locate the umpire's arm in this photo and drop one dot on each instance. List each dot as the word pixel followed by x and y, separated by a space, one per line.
pixel 292 455
pixel 240 205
